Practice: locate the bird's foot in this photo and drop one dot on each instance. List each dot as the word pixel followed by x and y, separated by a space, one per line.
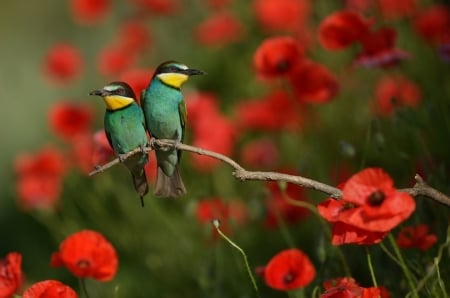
pixel 142 149
pixel 152 143
pixel 122 157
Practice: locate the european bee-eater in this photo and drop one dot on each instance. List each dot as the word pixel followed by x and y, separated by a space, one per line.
pixel 165 116
pixel 125 129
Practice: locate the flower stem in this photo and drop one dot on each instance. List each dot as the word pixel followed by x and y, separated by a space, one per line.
pixel 369 263
pixel 83 287
pixel 402 264
pixel 216 224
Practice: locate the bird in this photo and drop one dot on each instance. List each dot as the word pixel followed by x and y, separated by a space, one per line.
pixel 125 130
pixel 165 116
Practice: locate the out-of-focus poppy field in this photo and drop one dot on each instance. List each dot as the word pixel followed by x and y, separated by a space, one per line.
pixel 354 94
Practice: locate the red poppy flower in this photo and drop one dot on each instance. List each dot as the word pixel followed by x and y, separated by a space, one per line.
pixel 69 120
pixel 11 277
pixel 284 15
pixel 343 233
pixel 49 289
pixel 397 9
pixel 313 83
pixel 277 56
pixel 163 7
pixel 134 36
pixel 346 287
pixel 277 111
pixel 138 79
pixel 380 206
pixel 395 92
pixel 115 59
pixel 87 254
pixel 278 206
pixel 63 63
pixel 260 154
pixel 219 30
pixel 341 29
pixel 288 270
pixel 39 182
pixel 89 11
pixel 359 5
pixel 379 49
pixel 416 237
pixel 433 24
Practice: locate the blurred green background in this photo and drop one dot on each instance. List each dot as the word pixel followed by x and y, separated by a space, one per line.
pixel 163 251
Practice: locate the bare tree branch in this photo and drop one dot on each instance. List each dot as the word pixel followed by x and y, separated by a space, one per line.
pixel 420 189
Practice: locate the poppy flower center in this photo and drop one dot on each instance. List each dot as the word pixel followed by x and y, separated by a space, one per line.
pixel 289 277
pixel 283 65
pixel 83 264
pixel 376 198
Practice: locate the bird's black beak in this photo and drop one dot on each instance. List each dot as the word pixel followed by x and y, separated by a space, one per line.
pixel 97 92
pixel 194 72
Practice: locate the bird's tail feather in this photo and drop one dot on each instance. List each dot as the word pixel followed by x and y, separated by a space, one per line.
pixel 169 186
pixel 140 183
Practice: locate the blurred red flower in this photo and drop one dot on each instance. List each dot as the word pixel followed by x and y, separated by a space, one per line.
pixel 219 30
pixel 397 9
pixel 382 207
pixel 277 56
pixel 163 7
pixel 282 15
pixel 261 153
pixel 277 111
pixel 395 91
pixel 211 130
pixel 220 138
pixel 87 254
pixel 49 289
pixel 343 28
pixel 433 24
pixel 69 120
pixel 416 237
pixel 89 11
pixel 102 151
pixel 313 83
pixel 134 36
pixel 114 59
pixel 227 212
pixel 11 276
pixel 379 49
pixel 138 79
pixel 277 205
pixel 288 270
pixel 39 182
pixel 63 63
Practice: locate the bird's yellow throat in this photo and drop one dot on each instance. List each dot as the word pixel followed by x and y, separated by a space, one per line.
pixel 173 79
pixel 117 102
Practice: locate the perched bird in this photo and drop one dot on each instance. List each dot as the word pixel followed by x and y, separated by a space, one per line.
pixel 165 116
pixel 125 129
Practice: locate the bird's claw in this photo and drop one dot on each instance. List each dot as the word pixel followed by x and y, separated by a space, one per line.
pixel 122 157
pixel 142 149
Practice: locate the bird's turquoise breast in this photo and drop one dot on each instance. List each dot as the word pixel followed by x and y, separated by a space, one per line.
pixel 126 129
pixel 161 111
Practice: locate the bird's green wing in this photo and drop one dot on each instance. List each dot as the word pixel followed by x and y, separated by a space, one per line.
pixel 183 117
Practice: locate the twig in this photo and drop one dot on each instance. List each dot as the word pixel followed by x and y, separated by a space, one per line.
pixel 420 189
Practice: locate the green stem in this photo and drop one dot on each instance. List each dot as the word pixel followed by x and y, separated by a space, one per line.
pixel 366 145
pixel 216 224
pixel 372 272
pixel 83 287
pixel 402 264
